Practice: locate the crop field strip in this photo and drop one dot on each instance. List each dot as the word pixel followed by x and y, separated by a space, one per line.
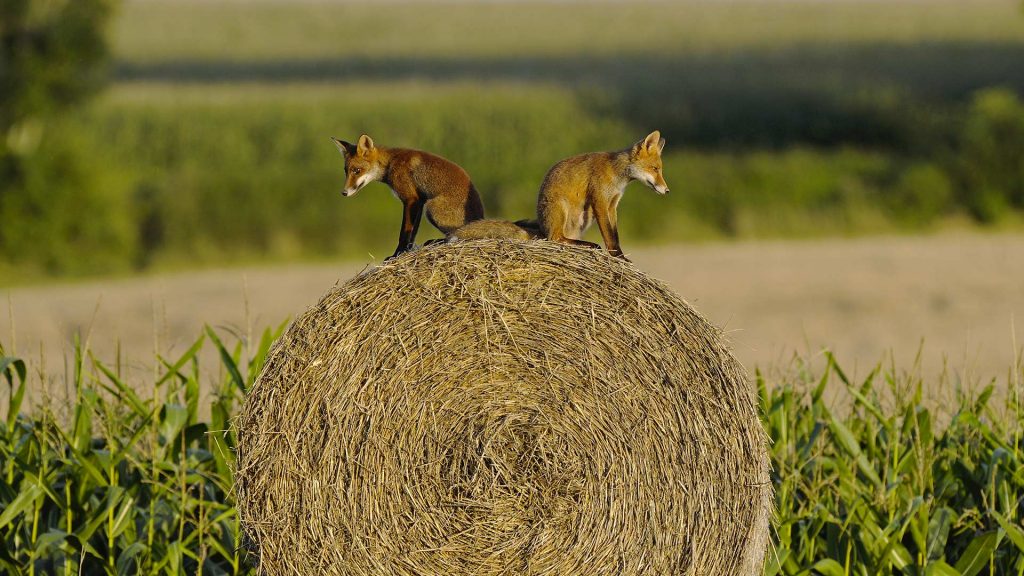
pixel 168 30
pixel 134 477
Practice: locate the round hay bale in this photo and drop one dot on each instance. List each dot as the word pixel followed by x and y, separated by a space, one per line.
pixel 502 407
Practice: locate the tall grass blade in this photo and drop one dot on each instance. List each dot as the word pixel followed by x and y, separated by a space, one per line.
pixel 22 504
pixel 851 446
pixel 13 370
pixel 227 360
pixel 978 554
pixel 1013 531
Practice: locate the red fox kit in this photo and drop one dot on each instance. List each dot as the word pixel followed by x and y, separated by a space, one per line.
pixel 420 180
pixel 488 228
pixel 588 187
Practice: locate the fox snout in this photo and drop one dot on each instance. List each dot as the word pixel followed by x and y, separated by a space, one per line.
pixel 659 187
pixel 351 189
pixel 355 184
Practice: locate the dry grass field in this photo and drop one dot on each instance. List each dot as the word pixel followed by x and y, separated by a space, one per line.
pixel 957 295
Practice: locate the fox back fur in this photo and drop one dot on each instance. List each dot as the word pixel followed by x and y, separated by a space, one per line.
pixel 489 228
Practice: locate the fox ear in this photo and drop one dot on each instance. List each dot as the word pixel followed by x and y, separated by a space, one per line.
pixel 653 142
pixel 345 148
pixel 649 145
pixel 661 145
pixel 365 144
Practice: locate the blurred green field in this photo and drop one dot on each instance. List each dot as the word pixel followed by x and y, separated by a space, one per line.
pixel 167 30
pixel 787 118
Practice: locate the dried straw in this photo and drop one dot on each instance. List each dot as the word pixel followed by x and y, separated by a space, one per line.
pixel 503 407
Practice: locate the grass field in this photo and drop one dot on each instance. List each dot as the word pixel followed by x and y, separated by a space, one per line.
pixel 785 118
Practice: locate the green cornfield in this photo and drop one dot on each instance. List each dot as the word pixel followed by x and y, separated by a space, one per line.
pixel 112 472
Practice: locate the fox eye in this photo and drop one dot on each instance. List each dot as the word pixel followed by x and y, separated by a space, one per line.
pixel 357 170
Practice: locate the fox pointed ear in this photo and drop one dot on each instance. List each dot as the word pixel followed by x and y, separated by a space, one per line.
pixel 661 145
pixel 653 143
pixel 649 145
pixel 345 148
pixel 365 144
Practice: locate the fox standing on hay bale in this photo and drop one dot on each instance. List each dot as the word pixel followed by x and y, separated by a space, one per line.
pixel 420 180
pixel 579 190
pixel 588 187
pixel 575 192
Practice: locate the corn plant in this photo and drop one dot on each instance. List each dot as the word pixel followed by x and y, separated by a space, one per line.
pixel 881 488
pixel 128 482
pixel 870 478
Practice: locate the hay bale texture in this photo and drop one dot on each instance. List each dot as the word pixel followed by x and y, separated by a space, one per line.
pixel 503 407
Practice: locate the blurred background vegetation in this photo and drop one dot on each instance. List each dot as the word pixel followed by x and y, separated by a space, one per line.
pixel 208 143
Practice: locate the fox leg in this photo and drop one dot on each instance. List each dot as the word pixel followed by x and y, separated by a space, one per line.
pixel 553 223
pixel 411 214
pixel 552 219
pixel 566 240
pixel 607 221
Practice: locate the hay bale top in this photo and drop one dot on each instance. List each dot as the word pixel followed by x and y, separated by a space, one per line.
pixel 503 407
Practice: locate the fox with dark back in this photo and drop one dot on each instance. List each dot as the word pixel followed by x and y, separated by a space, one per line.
pixel 422 182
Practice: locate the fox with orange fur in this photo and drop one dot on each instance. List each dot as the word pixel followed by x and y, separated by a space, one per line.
pixel 423 182
pixel 588 187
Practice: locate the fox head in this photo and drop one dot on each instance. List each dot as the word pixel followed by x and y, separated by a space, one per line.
pixel 645 162
pixel 362 163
